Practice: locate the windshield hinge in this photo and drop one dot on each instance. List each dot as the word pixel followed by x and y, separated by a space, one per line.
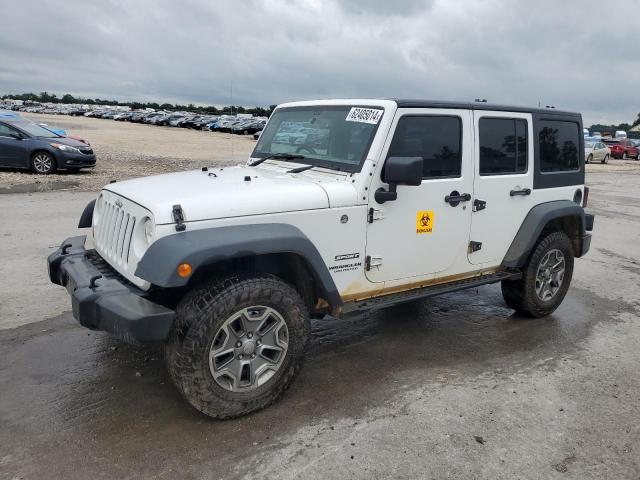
pixel 178 217
pixel 375 214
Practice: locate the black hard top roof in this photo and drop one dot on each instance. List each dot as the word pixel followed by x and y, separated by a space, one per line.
pixel 410 103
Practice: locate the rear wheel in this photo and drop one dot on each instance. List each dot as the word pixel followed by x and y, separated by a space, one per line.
pixel 545 279
pixel 625 156
pixel 43 163
pixel 237 344
pixel 590 159
pixel 605 159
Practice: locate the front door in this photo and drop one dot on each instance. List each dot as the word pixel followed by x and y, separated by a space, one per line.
pixel 12 150
pixel 425 232
pixel 503 182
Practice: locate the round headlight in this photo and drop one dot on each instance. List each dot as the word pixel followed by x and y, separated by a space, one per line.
pixel 143 236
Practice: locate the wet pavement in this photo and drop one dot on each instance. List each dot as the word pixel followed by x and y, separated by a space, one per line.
pixel 450 387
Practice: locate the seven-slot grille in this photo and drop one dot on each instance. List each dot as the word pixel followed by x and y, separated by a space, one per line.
pixel 113 233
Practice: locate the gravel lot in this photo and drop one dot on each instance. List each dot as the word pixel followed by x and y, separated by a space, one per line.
pixel 127 150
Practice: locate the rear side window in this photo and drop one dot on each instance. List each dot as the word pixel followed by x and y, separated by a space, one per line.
pixel 559 142
pixel 437 139
pixel 503 146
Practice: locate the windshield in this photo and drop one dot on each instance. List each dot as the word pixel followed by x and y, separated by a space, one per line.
pixel 589 145
pixel 336 137
pixel 35 130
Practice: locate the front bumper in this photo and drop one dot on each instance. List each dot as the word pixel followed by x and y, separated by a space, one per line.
pixel 102 300
pixel 76 160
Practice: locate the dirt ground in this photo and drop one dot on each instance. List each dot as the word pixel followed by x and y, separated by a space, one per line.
pixel 127 150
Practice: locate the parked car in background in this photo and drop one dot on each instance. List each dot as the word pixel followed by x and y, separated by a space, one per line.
pixel 622 148
pixel 247 127
pixel 121 117
pixel 596 152
pixel 24 144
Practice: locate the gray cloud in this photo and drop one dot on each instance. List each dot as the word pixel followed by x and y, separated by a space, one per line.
pixel 560 53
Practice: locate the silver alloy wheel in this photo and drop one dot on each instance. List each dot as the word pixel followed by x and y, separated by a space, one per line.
pixel 248 349
pixel 550 275
pixel 42 163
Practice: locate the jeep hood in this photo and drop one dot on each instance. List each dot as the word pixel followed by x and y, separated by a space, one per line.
pixel 234 192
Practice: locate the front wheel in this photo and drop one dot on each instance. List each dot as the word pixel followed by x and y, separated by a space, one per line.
pixel 625 156
pixel 43 163
pixel 590 159
pixel 545 279
pixel 237 344
pixel 605 159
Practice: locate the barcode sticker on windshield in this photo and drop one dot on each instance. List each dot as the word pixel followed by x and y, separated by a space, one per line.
pixel 364 115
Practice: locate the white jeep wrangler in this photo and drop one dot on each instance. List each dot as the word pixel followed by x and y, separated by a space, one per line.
pixel 344 205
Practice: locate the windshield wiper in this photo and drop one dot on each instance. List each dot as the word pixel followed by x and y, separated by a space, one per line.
pixel 278 156
pixel 300 169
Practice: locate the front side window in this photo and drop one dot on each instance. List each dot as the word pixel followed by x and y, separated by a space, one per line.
pixel 559 141
pixel 437 139
pixel 336 137
pixel 503 146
pixel 6 131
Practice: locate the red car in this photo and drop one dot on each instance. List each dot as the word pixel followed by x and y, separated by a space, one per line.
pixel 623 148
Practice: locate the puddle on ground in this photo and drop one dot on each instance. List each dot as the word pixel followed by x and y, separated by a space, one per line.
pixel 40 186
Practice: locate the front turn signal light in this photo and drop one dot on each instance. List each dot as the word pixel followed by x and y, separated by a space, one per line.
pixel 184 270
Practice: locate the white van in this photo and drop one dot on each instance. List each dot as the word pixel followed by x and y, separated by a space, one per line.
pixel 621 134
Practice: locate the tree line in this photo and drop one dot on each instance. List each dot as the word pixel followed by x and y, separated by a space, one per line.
pixel 45 97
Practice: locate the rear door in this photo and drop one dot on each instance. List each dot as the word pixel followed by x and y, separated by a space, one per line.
pixel 503 182
pixel 13 152
pixel 421 234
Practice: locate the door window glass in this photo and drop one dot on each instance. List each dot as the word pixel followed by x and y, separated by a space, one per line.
pixel 559 142
pixel 6 131
pixel 503 146
pixel 437 139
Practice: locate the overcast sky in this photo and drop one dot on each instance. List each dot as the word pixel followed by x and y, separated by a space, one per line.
pixel 579 55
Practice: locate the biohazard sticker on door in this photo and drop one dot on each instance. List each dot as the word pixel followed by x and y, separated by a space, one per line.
pixel 424 221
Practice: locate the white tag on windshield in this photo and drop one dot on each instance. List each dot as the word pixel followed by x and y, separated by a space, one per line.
pixel 364 115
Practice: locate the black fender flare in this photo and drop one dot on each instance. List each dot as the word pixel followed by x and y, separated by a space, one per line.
pixel 86 219
pixel 533 224
pixel 211 245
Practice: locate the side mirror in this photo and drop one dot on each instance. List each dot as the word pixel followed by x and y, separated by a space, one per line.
pixel 399 171
pixel 17 136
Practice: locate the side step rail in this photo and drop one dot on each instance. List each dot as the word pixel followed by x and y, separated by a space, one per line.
pixel 429 291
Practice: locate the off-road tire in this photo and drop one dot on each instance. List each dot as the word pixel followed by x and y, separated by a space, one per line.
pixel 199 316
pixel 521 294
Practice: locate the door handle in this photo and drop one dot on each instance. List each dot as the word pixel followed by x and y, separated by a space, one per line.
pixel 522 192
pixel 454 198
